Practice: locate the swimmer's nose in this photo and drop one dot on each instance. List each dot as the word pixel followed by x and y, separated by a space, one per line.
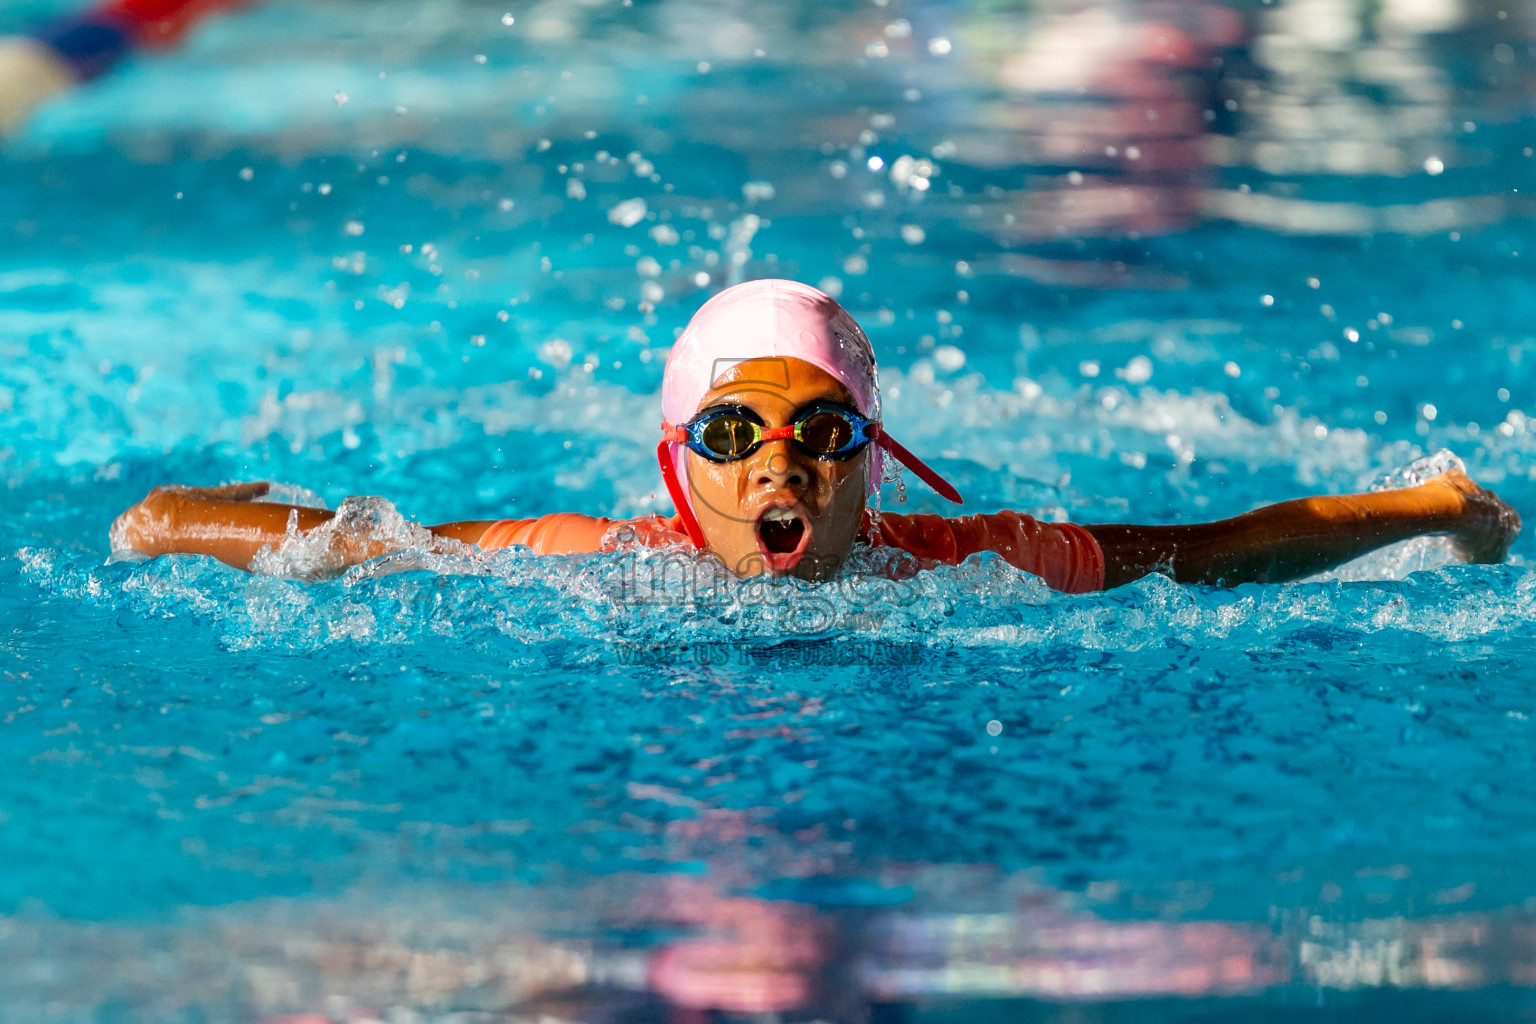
pixel 778 466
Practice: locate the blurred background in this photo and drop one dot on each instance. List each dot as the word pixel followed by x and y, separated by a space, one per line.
pixel 1312 210
pixel 1145 261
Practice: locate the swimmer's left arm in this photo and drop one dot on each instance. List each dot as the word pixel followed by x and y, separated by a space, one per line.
pixel 1295 539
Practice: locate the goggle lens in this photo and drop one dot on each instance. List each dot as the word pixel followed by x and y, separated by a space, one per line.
pixel 825 432
pixel 729 437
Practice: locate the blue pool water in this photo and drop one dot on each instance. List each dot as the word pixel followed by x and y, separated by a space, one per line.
pixel 327 245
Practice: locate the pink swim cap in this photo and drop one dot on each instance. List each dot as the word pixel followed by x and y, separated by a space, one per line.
pixel 761 319
pixel 768 318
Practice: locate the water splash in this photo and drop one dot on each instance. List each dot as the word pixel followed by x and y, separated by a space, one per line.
pixel 539 610
pixel 293 494
pixel 361 525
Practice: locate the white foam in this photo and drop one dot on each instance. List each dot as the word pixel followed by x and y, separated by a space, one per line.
pixel 360 524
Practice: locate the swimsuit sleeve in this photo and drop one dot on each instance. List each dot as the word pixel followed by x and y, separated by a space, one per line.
pixel 563 533
pixel 567 533
pixel 1064 555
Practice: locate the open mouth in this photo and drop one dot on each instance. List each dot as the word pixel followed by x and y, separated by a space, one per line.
pixel 783 534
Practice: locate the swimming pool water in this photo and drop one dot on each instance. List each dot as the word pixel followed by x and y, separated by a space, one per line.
pixel 328 246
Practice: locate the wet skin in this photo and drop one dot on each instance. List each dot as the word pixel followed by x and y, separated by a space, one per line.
pixel 730 497
pixel 1268 545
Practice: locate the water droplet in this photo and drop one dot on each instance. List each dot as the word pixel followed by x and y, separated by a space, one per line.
pixel 627 213
pixel 556 352
pixel 949 358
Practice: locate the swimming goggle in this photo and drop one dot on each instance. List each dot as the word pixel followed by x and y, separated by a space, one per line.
pixel 829 431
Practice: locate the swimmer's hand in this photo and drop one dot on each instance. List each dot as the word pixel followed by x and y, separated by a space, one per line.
pixel 1487 525
pixel 1295 539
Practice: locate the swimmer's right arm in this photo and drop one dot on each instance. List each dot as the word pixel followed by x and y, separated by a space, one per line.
pixel 229 524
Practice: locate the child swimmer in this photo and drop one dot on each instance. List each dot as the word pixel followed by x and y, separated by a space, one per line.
pixel 772 443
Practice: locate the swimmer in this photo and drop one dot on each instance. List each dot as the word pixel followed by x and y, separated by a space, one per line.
pixel 81 47
pixel 772 444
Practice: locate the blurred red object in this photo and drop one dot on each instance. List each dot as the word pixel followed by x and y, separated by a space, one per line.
pixel 162 22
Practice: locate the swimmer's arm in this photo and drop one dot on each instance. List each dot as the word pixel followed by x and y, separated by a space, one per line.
pixel 1311 535
pixel 227 523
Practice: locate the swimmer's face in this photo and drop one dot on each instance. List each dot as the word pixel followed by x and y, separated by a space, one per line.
pixel 780 510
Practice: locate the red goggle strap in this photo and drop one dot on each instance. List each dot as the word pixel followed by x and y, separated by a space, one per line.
pixel 675 488
pixel 915 464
